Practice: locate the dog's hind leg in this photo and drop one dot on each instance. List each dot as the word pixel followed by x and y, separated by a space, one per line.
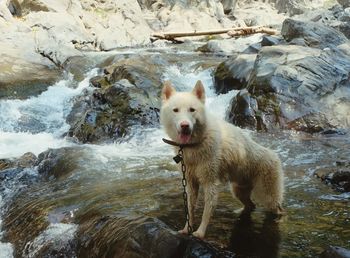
pixel 192 195
pixel 243 194
pixel 210 200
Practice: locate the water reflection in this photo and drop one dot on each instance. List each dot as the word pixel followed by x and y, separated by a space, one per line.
pixel 249 238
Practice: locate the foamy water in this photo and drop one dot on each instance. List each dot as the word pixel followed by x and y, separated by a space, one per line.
pixel 38 123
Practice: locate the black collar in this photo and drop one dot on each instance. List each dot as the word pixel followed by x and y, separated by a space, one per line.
pixel 185 145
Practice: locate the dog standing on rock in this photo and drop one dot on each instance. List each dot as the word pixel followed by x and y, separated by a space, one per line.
pixel 223 153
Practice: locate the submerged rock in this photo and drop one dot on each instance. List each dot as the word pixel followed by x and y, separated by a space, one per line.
pixel 335 252
pixel 115 236
pixel 57 163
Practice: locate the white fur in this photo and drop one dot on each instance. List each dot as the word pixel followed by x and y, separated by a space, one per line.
pixel 225 154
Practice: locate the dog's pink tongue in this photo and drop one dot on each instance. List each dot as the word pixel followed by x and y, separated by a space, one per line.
pixel 185 138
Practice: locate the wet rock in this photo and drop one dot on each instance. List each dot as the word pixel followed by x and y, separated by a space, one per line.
pixel 234 73
pixel 57 163
pixel 269 40
pixel 129 96
pixel 78 66
pixel 336 17
pixel 27 160
pixel 311 34
pixel 335 252
pixel 296 88
pixel 116 236
pixel 242 110
pixel 337 176
pixel 5 163
pixel 340 179
pixel 99 81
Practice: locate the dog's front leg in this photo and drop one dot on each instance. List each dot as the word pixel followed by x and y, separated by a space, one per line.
pixel 192 194
pixel 210 200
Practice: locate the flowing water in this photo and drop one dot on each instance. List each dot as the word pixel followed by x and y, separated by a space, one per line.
pixel 139 177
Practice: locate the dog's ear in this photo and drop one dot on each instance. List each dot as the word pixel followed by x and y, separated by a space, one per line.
pixel 167 90
pixel 199 91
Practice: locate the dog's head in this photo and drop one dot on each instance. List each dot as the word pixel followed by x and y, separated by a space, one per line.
pixel 183 113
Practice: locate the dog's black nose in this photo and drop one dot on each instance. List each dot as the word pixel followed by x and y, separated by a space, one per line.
pixel 184 125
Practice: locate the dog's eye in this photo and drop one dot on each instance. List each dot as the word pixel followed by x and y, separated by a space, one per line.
pixel 176 110
pixel 192 110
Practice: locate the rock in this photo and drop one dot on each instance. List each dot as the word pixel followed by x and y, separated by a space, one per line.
pixel 269 40
pixel 234 73
pixel 296 88
pixel 20 77
pixel 336 17
pixel 118 236
pixel 312 34
pixel 229 6
pixel 242 110
pixel 292 7
pixel 27 160
pixel 129 96
pixel 337 176
pixel 341 179
pixel 57 163
pixel 344 3
pixel 335 251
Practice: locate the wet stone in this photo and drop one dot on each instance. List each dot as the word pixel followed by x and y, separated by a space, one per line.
pixel 118 236
pixel 335 252
pixel 56 163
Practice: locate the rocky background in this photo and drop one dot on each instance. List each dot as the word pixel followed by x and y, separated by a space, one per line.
pixel 296 80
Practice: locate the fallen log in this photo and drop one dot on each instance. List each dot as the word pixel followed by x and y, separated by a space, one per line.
pixel 233 32
pixel 251 30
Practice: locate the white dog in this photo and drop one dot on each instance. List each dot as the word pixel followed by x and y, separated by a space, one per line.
pixel 223 154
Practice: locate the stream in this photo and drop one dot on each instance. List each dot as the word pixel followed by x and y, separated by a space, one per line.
pixel 138 177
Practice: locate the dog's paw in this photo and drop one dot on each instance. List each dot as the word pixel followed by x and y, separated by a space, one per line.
pixel 199 234
pixel 183 231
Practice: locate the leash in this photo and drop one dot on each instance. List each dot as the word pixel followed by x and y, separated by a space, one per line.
pixel 179 158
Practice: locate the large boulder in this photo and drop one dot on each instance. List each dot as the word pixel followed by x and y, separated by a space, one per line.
pixel 22 76
pixel 295 87
pixel 234 73
pixel 128 96
pixel 336 17
pixel 311 34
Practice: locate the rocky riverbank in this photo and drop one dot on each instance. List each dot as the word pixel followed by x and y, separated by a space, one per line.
pixel 85 77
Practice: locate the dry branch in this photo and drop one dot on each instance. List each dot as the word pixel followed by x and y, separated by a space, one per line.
pixel 230 31
pixel 251 30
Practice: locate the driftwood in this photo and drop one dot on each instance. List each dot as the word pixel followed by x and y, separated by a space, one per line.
pixel 233 32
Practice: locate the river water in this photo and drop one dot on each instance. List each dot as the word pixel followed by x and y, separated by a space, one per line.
pixel 138 177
